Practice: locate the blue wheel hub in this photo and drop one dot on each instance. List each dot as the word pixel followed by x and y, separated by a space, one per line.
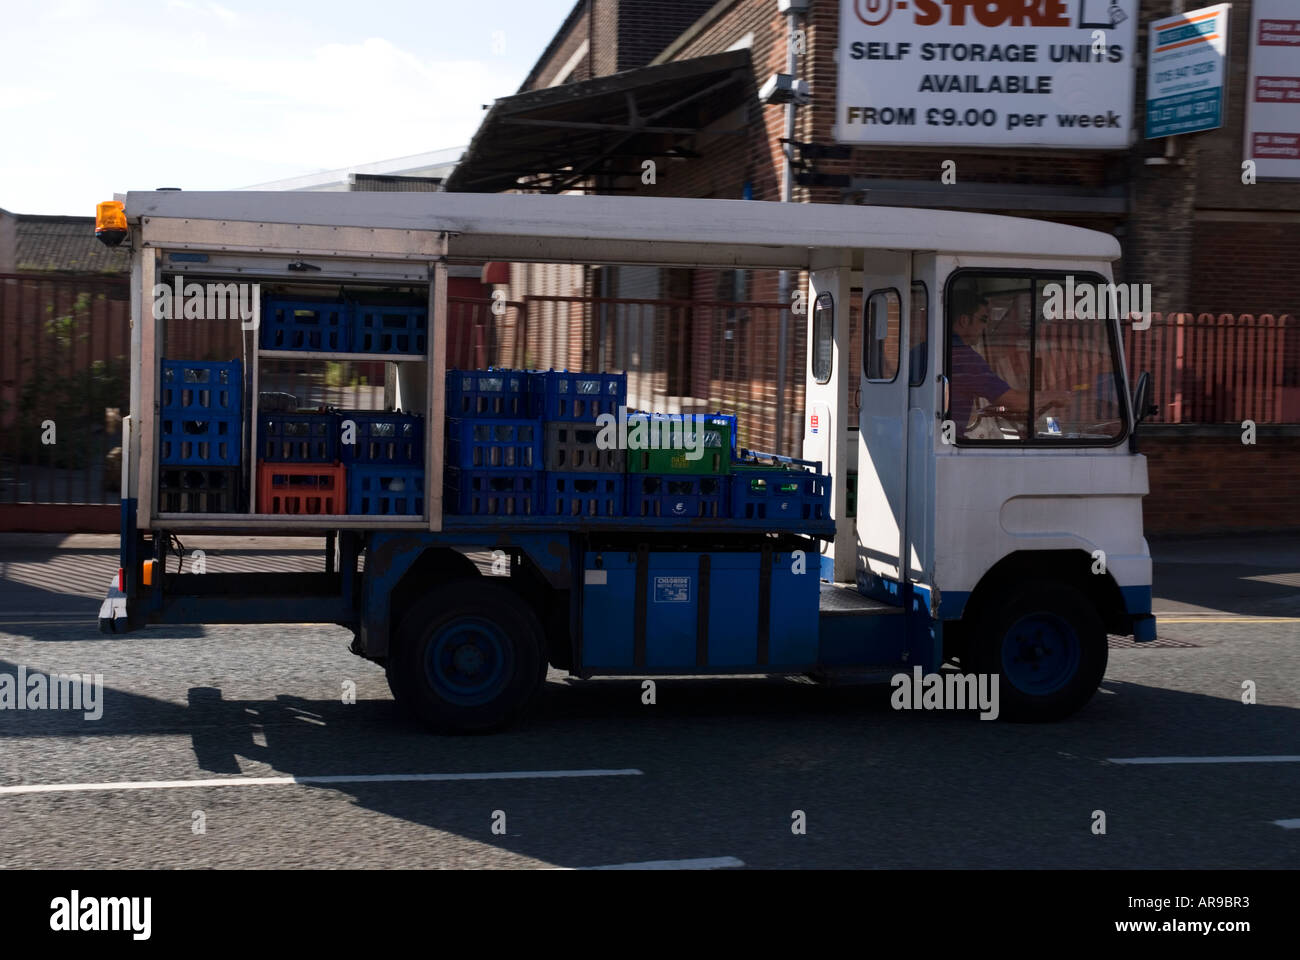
pixel 1040 654
pixel 468 661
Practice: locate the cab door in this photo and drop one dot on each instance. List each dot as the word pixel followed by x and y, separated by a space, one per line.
pixel 827 432
pixel 883 423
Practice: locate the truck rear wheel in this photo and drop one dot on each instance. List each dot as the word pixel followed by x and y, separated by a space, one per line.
pixel 1047 644
pixel 468 658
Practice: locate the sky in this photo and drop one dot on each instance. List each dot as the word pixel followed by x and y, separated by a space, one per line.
pixel 98 98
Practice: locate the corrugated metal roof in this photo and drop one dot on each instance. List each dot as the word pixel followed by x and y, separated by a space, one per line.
pixel 553 138
pixel 64 245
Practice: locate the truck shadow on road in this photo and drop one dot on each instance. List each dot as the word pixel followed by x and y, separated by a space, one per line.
pixel 715 757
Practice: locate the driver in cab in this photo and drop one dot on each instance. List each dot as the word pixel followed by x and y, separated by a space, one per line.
pixel 972 377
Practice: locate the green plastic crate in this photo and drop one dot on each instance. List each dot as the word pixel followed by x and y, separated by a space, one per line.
pixel 715 461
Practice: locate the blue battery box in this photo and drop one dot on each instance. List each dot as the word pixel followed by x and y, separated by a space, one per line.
pixel 664 610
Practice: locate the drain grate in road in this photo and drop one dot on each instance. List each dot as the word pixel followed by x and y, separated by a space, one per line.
pixel 1128 643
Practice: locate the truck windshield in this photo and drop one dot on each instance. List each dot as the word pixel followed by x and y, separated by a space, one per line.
pixel 1025 366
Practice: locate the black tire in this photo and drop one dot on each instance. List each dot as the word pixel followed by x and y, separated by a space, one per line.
pixel 467 658
pixel 1047 645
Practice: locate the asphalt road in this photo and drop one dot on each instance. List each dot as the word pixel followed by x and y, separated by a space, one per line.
pixel 711 775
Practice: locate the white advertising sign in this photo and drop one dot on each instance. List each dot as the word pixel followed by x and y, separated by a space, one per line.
pixel 1273 96
pixel 987 73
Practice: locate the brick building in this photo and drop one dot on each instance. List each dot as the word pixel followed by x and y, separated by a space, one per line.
pixel 626 81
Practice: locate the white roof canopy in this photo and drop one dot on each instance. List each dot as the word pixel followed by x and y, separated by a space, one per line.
pixel 605 229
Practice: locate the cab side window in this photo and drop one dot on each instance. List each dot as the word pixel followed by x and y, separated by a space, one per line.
pixel 880 339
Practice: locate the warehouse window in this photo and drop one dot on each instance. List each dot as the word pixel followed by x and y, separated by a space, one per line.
pixel 823 337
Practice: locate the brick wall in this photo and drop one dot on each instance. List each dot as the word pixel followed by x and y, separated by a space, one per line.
pixel 1236 268
pixel 622 35
pixel 730 161
pixel 1204 484
pixel 604 37
pixel 645 27
pixel 546 71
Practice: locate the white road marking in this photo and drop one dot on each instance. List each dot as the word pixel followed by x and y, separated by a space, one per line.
pixel 282 781
pixel 698 863
pixel 1263 759
pixel 1288 824
pixel 1164 620
pixel 89 621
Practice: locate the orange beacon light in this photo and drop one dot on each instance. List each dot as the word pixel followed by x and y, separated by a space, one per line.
pixel 110 222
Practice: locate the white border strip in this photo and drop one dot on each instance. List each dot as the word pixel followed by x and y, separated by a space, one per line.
pixel 1148 760
pixel 698 863
pixel 283 781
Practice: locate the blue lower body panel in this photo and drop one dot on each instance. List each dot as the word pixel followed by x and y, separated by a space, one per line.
pixel 668 610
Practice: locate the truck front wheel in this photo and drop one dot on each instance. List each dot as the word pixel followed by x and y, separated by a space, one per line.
pixel 468 658
pixel 1047 645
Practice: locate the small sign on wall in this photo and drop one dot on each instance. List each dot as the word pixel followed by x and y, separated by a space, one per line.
pixel 1273 96
pixel 1186 70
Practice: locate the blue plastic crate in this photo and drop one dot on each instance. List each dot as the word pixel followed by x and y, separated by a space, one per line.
pixel 487 443
pixel 572 447
pixel 198 489
pixel 189 440
pixel 288 324
pixel 678 495
pixel 298 437
pixel 383 490
pixel 782 495
pixel 202 387
pixel 583 495
pixel 561 395
pixel 487 393
pixel 727 420
pixel 492 493
pixel 774 461
pixel 380 328
pixel 382 438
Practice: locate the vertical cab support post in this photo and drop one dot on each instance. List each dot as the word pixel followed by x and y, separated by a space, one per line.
pixel 146 353
pixel 130 535
pixel 905 375
pixel 435 390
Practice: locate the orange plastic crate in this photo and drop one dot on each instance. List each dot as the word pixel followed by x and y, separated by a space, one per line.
pixel 301 489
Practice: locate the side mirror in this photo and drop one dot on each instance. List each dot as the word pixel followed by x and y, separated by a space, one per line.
pixel 1142 405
